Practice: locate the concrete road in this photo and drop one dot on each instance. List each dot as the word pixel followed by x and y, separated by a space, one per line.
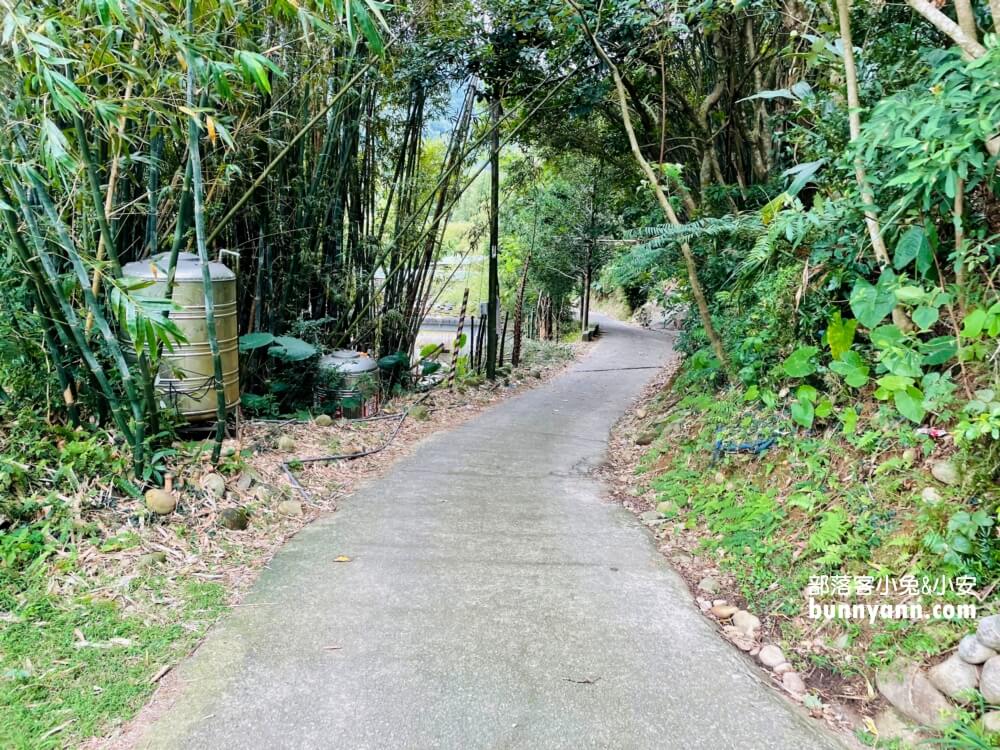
pixel 494 600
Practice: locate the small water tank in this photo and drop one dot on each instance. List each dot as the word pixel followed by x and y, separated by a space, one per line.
pixel 186 381
pixel 352 370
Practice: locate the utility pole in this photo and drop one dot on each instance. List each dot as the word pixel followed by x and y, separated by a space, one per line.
pixel 494 281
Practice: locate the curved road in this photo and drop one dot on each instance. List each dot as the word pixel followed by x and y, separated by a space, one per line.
pixel 494 600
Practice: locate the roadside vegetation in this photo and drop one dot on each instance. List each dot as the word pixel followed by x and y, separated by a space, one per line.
pixel 815 184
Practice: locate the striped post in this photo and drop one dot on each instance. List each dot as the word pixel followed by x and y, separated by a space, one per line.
pixel 458 339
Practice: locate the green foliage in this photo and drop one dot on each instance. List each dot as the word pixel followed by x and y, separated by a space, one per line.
pixel 801 362
pixel 840 335
pixel 284 348
pixel 932 135
pixel 871 303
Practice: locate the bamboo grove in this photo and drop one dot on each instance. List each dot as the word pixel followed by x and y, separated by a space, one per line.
pixel 284 138
pixel 320 147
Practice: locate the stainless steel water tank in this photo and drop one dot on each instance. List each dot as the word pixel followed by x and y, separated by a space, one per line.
pixel 353 367
pixel 186 380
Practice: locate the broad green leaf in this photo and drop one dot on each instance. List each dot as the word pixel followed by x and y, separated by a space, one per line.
pixel 800 362
pixel 803 412
pixel 895 382
pixel 887 336
pixel 849 418
pixel 910 294
pixel 824 408
pixel 870 304
pixel 973 323
pixel 803 174
pixel 251 341
pixel 909 246
pixel 806 393
pixel 925 316
pixel 292 349
pixel 938 350
pixel 852 369
pixel 910 403
pixel 840 334
pixel 394 361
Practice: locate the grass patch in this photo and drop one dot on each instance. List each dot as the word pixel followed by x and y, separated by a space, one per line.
pixel 74 667
pixel 816 503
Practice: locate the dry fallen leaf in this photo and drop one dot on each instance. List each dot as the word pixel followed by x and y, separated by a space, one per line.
pixel 870 726
pixel 342 558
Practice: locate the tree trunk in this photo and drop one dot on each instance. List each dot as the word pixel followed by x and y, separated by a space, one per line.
pixel 948 27
pixel 854 121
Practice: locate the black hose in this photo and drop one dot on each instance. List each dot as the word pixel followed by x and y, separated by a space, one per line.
pixel 348 456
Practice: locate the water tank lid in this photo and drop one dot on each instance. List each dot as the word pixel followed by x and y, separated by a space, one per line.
pixel 348 362
pixel 188 268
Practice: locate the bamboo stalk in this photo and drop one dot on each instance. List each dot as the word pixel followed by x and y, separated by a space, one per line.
pixel 194 153
pixel 290 145
pixel 74 323
pixel 392 273
pixel 110 341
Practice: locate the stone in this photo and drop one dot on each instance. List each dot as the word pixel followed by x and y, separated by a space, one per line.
pixel 645 438
pixel 536 373
pixel 290 508
pixel 709 585
pixel 909 455
pixel 323 420
pixel 770 656
pixel 152 558
pixel 972 651
pixel 930 496
pixel 991 721
pixel 650 516
pixel 946 472
pixel 793 683
pixel 724 611
pixel 988 632
pixel 739 640
pixel 746 623
pixel 213 484
pixel 908 689
pixel 665 507
pixel 420 413
pixel 784 667
pixel 160 502
pixel 719 477
pixel 955 678
pixel 891 725
pixel 989 680
pixel 640 413
pixel 286 444
pixel 234 519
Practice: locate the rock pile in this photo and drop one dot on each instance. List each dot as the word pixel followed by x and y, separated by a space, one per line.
pixel 743 629
pixel 929 698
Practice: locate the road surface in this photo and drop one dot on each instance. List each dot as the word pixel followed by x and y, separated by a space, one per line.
pixel 494 599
